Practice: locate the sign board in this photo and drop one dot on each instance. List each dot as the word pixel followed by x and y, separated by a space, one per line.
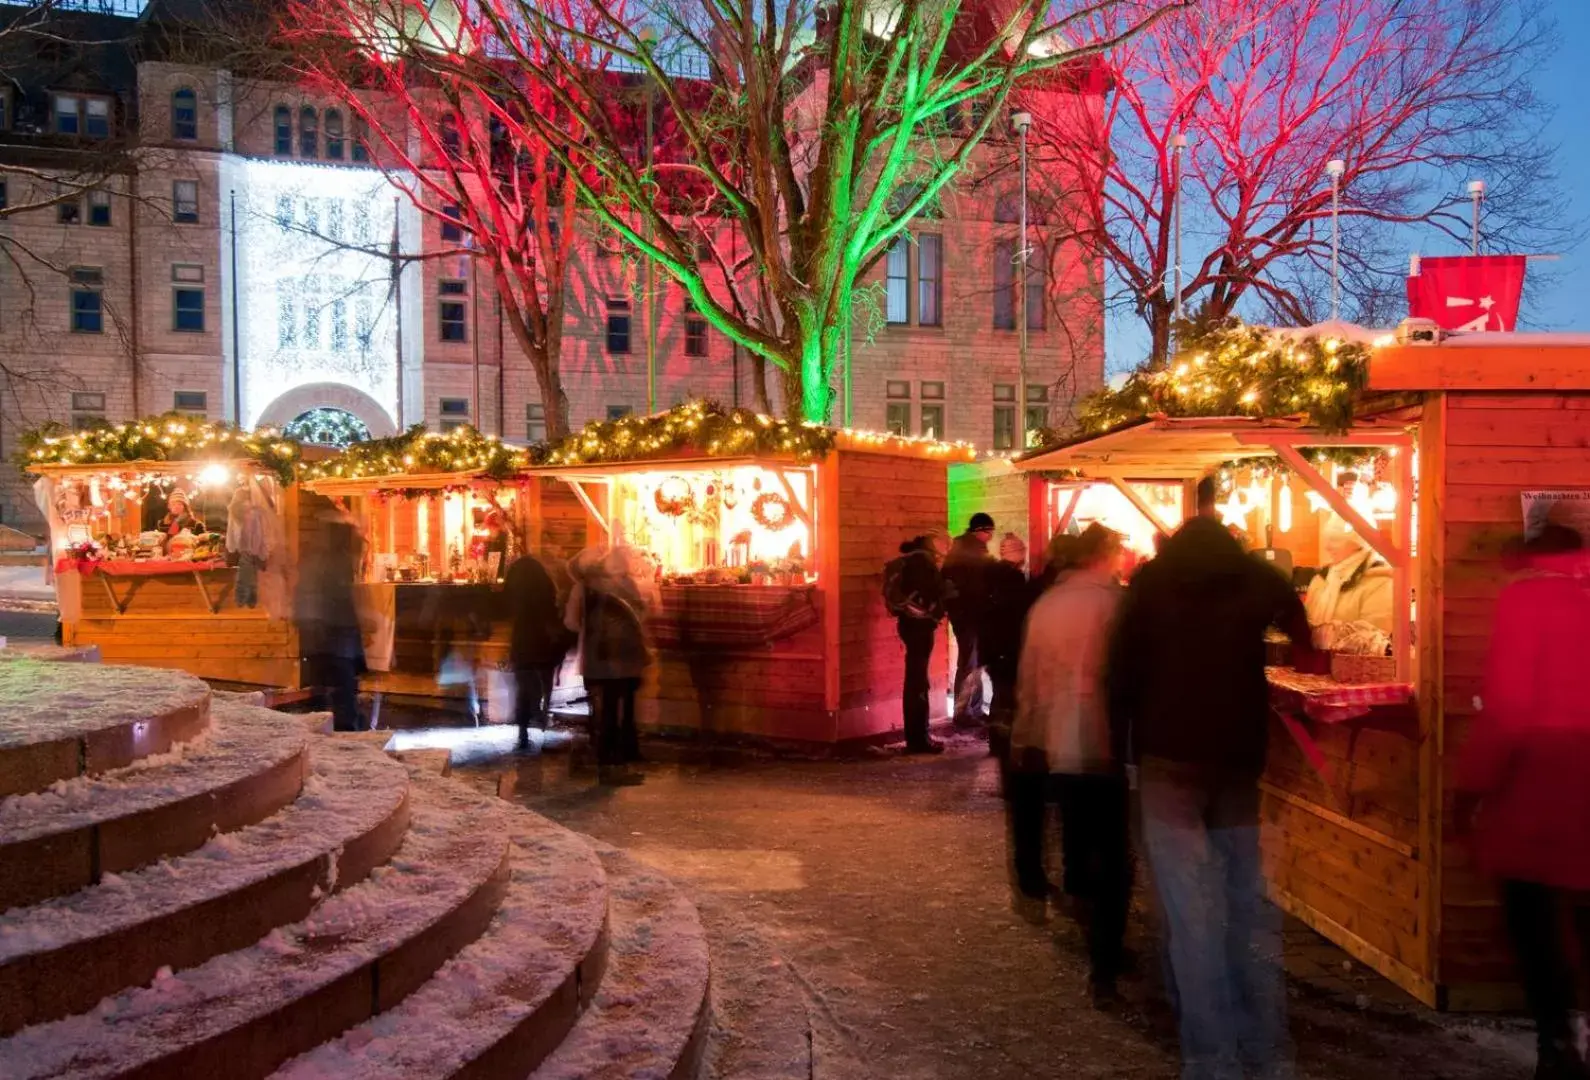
pixel 1562 506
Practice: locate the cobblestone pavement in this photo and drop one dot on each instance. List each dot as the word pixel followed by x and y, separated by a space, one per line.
pixel 879 886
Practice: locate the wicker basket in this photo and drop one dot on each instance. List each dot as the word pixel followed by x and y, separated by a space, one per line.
pixel 1359 668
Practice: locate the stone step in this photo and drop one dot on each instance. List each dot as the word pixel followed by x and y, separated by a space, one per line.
pixel 650 1016
pixel 58 721
pixel 223 896
pixel 251 763
pixel 503 1003
pixel 359 953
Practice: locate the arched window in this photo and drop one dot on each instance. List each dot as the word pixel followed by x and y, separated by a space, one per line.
pixel 450 137
pixel 308 132
pixel 284 131
pixel 184 114
pixel 361 139
pixel 1007 209
pixel 333 135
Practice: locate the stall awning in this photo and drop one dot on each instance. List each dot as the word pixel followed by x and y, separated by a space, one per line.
pixel 1185 448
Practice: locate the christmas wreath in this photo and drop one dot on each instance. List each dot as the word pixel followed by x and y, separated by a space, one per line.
pixel 772 511
pixel 675 497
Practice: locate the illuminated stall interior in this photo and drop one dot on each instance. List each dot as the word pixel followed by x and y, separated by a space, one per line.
pixel 434 528
pixel 1138 511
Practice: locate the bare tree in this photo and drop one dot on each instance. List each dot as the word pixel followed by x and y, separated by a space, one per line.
pixel 1413 96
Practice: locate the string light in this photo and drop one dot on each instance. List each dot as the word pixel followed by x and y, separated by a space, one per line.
pixel 460 450
pixel 169 437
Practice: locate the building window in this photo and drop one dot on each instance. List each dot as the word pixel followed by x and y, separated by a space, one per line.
pixel 454 310
pixel 1004 416
pixel 69 212
pixel 1037 411
pixel 1005 285
pixel 88 409
pixel 99 209
pixel 78 115
pixel 454 412
pixel 96 118
pixel 451 142
pixel 308 132
pixel 535 423
pixel 452 224
pixel 932 391
pixel 185 114
pixel 933 421
pixel 1036 310
pixel 695 333
pixel 897 299
pixel 897 418
pixel 87 311
pixel 284 131
pixel 929 280
pixel 618 412
pixel 185 202
pixel 193 402
pixel 187 315
pixel 2 194
pixel 333 134
pixel 617 325
pixel 361 139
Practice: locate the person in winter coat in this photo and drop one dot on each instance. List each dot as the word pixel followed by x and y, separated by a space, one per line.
pixel 918 627
pixel 1188 701
pixel 539 640
pixel 999 638
pixel 1356 586
pixel 608 608
pixel 966 569
pixel 248 542
pixel 326 611
pixel 1521 781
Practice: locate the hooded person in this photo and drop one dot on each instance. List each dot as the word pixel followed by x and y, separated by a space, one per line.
pixel 539 640
pixel 966 569
pixel 1522 796
pixel 914 594
pixel 607 608
pixel 1356 584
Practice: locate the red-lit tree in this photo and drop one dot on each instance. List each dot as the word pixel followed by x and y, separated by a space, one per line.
pixel 1413 96
pixel 805 135
pixel 471 143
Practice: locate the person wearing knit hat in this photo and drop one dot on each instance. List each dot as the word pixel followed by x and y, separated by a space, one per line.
pixel 966 601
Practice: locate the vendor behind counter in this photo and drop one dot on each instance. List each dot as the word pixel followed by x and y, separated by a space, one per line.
pixel 1355 585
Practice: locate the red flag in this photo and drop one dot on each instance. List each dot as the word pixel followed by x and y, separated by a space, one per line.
pixel 1468 292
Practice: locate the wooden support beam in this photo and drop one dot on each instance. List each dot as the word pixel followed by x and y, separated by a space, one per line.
pixel 802 511
pixel 580 493
pixel 1371 535
pixel 1141 505
pixel 1063 522
pixel 1402 572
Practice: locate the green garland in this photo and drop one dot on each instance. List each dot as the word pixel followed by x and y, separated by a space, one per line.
pixel 696 427
pixel 168 437
pixel 1236 370
pixel 463 449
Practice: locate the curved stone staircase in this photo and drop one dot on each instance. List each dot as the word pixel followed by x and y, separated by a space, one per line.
pixel 197 887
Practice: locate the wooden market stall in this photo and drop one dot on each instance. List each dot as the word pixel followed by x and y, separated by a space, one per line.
pixel 770 620
pixel 1351 802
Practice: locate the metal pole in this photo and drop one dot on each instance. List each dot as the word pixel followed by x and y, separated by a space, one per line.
pixel 397 309
pixel 1022 121
pixel 237 352
pixel 1477 194
pixel 651 269
pixel 1335 167
pixel 1178 144
pixel 474 336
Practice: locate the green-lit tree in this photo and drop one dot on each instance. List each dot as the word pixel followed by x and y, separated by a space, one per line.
pixel 805 135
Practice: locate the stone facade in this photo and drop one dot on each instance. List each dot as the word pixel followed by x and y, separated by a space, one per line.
pixel 185 289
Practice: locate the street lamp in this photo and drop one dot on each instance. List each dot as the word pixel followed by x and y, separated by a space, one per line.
pixel 1335 167
pixel 1178 143
pixel 1477 194
pixel 648 41
pixel 1021 121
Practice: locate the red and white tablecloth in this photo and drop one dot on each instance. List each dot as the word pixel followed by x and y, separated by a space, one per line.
pixel 1323 699
pixel 138 567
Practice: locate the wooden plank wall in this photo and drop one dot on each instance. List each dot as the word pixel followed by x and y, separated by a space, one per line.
pixel 993 487
pixel 775 693
pixel 1496 447
pixel 882 500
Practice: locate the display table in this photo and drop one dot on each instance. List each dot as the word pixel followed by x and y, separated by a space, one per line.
pixel 732 616
pixel 107 569
pixel 1299 698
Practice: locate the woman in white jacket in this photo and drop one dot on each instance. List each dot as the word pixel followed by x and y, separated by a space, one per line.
pixel 1063 726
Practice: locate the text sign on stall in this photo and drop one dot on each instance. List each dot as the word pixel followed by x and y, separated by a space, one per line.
pixel 1565 506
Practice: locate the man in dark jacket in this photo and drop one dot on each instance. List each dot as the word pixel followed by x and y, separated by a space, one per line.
pixel 326 610
pixel 918 626
pixel 966 573
pixel 1189 703
pixel 539 642
pixel 999 639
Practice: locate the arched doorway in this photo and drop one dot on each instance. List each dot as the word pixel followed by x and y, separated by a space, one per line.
pixel 327 427
pixel 338 397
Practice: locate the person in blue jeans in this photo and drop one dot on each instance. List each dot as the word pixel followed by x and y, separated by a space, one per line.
pixel 1189 703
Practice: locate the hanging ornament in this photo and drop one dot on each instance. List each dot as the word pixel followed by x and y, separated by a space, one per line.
pixel 772 511
pixel 731 496
pixel 1286 506
pixel 674 497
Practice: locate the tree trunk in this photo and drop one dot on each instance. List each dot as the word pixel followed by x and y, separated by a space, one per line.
pixel 1158 318
pixel 764 404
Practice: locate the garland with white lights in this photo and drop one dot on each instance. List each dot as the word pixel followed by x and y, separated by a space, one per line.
pixel 463 449
pixel 169 437
pixel 328 427
pixel 697 428
pixel 1237 370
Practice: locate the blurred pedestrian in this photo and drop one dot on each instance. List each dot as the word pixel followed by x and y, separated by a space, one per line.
pixel 608 607
pixel 326 610
pixel 1189 702
pixel 539 641
pixel 966 570
pixel 1521 782
pixel 1061 715
pixel 913 592
pixel 999 639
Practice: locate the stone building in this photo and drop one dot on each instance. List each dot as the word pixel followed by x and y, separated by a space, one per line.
pixel 173 236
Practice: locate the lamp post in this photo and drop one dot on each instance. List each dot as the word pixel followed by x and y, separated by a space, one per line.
pixel 1178 143
pixel 1335 167
pixel 648 40
pixel 1021 122
pixel 1477 194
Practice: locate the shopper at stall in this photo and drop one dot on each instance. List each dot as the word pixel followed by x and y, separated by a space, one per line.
pixel 327 615
pixel 1189 702
pixel 999 638
pixel 913 591
pixel 539 641
pixel 966 571
pixel 1521 786
pixel 608 608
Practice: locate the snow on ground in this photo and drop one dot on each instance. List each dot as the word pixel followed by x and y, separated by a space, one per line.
pixel 25 583
pixel 42 701
pixel 471 745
